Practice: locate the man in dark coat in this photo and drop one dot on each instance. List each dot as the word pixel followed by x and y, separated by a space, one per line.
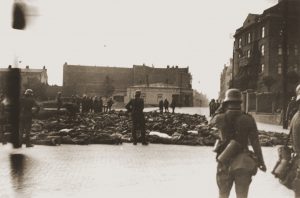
pixel 236 126
pixel 173 105
pixel 136 107
pixel 109 104
pixel 166 105
pixel 161 106
pixel 100 105
pixel 59 101
pixel 26 104
pixel 212 107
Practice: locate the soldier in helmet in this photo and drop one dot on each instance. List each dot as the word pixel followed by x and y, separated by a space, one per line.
pixel 236 126
pixel 26 104
pixel 295 134
pixel 136 107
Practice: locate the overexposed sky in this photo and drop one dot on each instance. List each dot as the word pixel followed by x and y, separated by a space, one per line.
pixel 194 33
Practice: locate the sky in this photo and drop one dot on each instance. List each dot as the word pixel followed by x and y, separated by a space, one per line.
pixel 193 33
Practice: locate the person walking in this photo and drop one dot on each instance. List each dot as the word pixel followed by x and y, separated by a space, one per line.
pixel 236 129
pixel 26 105
pixel 166 105
pixel 161 106
pixel 135 107
pixel 295 134
pixel 173 104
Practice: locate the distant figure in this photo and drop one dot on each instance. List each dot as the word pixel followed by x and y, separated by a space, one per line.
pixel 166 105
pixel 58 101
pixel 100 105
pixel 109 104
pixel 291 110
pixel 212 106
pixel 136 107
pixel 161 106
pixel 173 105
pixel 96 104
pixel 26 104
pixel 84 104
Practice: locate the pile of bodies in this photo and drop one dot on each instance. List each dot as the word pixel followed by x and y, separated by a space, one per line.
pixel 115 128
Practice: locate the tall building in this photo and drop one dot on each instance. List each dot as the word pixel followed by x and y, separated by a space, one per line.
pixel 225 79
pixel 29 77
pixel 107 81
pixel 259 50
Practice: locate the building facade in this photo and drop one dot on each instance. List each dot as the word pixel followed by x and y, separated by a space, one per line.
pixel 155 92
pixel 29 77
pixel 259 48
pixel 114 81
pixel 225 80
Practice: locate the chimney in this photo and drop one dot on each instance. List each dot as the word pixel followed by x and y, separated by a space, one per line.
pixel 9 66
pixel 27 67
pixel 168 66
pixel 176 67
pixel 44 67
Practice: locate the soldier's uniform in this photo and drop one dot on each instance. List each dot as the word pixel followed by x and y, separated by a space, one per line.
pixel 233 124
pixel 295 132
pixel 136 107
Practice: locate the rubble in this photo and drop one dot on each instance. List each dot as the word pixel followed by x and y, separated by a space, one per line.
pixel 115 127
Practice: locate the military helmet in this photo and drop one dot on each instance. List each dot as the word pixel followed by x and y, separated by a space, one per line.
pixel 298 92
pixel 28 92
pixel 233 95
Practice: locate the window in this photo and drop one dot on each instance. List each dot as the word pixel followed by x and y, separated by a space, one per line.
pixel 240 43
pixel 279 68
pixel 248 53
pixel 263 32
pixel 262 68
pixel 159 97
pixel 249 38
pixel 296 50
pixel 279 50
pixel 262 50
pixel 296 67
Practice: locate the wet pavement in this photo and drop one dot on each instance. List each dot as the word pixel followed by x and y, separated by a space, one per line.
pixel 159 171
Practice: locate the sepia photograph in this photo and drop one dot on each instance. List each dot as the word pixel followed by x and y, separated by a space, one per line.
pixel 149 98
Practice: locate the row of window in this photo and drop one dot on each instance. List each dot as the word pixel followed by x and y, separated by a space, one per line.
pixel 262 51
pixel 249 37
pixel 279 68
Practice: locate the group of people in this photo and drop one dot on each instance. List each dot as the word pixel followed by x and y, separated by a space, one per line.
pixel 236 163
pixel 214 105
pixel 86 104
pixel 164 105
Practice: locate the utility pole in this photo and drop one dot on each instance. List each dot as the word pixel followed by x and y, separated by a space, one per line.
pixel 284 60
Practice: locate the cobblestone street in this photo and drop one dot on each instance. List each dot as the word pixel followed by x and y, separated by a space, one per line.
pixel 159 171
